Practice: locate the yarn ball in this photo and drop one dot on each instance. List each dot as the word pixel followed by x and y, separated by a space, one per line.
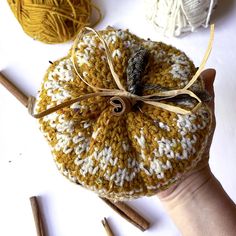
pixel 136 154
pixel 52 21
pixel 174 17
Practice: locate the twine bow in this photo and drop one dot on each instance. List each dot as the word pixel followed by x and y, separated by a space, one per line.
pixel 120 97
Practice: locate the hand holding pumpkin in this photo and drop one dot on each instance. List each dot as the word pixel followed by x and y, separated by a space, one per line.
pixel 202 169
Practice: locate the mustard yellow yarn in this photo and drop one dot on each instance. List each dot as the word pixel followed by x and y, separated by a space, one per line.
pixel 139 153
pixel 52 21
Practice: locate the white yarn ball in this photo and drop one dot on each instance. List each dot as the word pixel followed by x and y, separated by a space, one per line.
pixel 173 17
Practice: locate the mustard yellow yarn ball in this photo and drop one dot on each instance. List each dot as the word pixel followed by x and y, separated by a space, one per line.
pixel 139 153
pixel 50 21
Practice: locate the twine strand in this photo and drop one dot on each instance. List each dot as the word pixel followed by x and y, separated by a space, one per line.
pixel 154 99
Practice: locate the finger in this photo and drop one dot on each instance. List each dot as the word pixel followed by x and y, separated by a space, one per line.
pixel 208 77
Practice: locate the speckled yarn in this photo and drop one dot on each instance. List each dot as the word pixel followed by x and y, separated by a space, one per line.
pixel 121 157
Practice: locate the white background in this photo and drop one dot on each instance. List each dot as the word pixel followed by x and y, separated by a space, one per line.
pixel 26 165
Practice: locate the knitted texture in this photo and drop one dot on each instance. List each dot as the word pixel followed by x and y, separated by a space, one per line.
pixel 122 157
pixel 174 17
pixel 52 21
pixel 135 69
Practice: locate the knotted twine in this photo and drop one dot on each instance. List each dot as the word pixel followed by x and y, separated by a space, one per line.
pixel 155 99
pixel 54 21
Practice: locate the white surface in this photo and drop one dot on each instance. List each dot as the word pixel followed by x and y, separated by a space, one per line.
pixel 27 167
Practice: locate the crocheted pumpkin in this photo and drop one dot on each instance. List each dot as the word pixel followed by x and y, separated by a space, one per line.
pixel 144 150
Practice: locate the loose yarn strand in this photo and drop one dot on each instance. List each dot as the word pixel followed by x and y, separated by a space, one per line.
pixel 204 60
pixel 209 13
pixel 173 11
pixel 72 8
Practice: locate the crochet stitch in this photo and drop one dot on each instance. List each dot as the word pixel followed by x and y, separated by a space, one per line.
pixel 135 69
pixel 138 153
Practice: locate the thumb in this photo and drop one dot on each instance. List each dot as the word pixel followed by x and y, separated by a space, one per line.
pixel 208 77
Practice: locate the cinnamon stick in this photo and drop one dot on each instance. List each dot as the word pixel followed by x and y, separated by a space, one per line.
pixel 16 92
pixel 128 213
pixel 121 208
pixel 37 217
pixel 107 227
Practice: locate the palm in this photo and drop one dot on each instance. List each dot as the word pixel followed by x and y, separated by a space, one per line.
pixel 208 77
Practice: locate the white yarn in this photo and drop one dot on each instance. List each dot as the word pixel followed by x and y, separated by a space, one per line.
pixel 174 17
